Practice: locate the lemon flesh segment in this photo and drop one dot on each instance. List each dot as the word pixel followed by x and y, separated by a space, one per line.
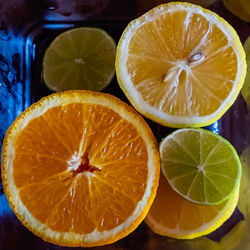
pixel 201 166
pixel 81 58
pixel 245 91
pixel 180 65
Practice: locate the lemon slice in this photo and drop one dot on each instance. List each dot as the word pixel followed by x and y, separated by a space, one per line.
pixel 81 58
pixel 180 65
pixel 172 215
pixel 200 165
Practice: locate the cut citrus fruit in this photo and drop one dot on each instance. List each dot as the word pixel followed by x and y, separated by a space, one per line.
pixel 172 215
pixel 80 168
pixel 81 58
pixel 200 165
pixel 238 8
pixel 180 65
pixel 245 91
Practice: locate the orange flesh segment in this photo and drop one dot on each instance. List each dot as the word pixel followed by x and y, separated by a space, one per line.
pixel 172 211
pixel 80 202
pixel 160 66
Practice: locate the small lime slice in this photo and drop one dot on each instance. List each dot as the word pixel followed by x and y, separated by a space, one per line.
pixel 200 165
pixel 245 91
pixel 81 58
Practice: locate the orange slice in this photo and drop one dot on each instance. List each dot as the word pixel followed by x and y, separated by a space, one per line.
pixel 174 216
pixel 180 65
pixel 80 168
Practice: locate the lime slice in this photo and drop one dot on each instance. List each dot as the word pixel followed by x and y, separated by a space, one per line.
pixel 201 166
pixel 245 91
pixel 81 58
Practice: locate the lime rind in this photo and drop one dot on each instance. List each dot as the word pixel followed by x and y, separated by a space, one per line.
pixel 80 58
pixel 206 185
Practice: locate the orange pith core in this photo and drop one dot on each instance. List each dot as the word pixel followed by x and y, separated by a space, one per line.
pixel 85 166
pixel 80 168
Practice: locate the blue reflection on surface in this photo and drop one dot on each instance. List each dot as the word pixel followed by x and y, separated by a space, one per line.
pixel 4 208
pixel 215 127
pixel 11 88
pixel 12 98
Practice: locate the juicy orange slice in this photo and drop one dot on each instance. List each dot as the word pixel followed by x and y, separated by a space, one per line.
pixel 174 216
pixel 80 168
pixel 180 65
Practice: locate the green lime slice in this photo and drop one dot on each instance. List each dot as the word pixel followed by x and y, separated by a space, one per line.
pixel 200 165
pixel 245 91
pixel 81 58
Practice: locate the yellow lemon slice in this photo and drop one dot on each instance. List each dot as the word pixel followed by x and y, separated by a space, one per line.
pixel 180 65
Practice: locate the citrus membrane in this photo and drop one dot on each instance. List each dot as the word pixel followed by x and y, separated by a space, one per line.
pixel 81 58
pixel 200 165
